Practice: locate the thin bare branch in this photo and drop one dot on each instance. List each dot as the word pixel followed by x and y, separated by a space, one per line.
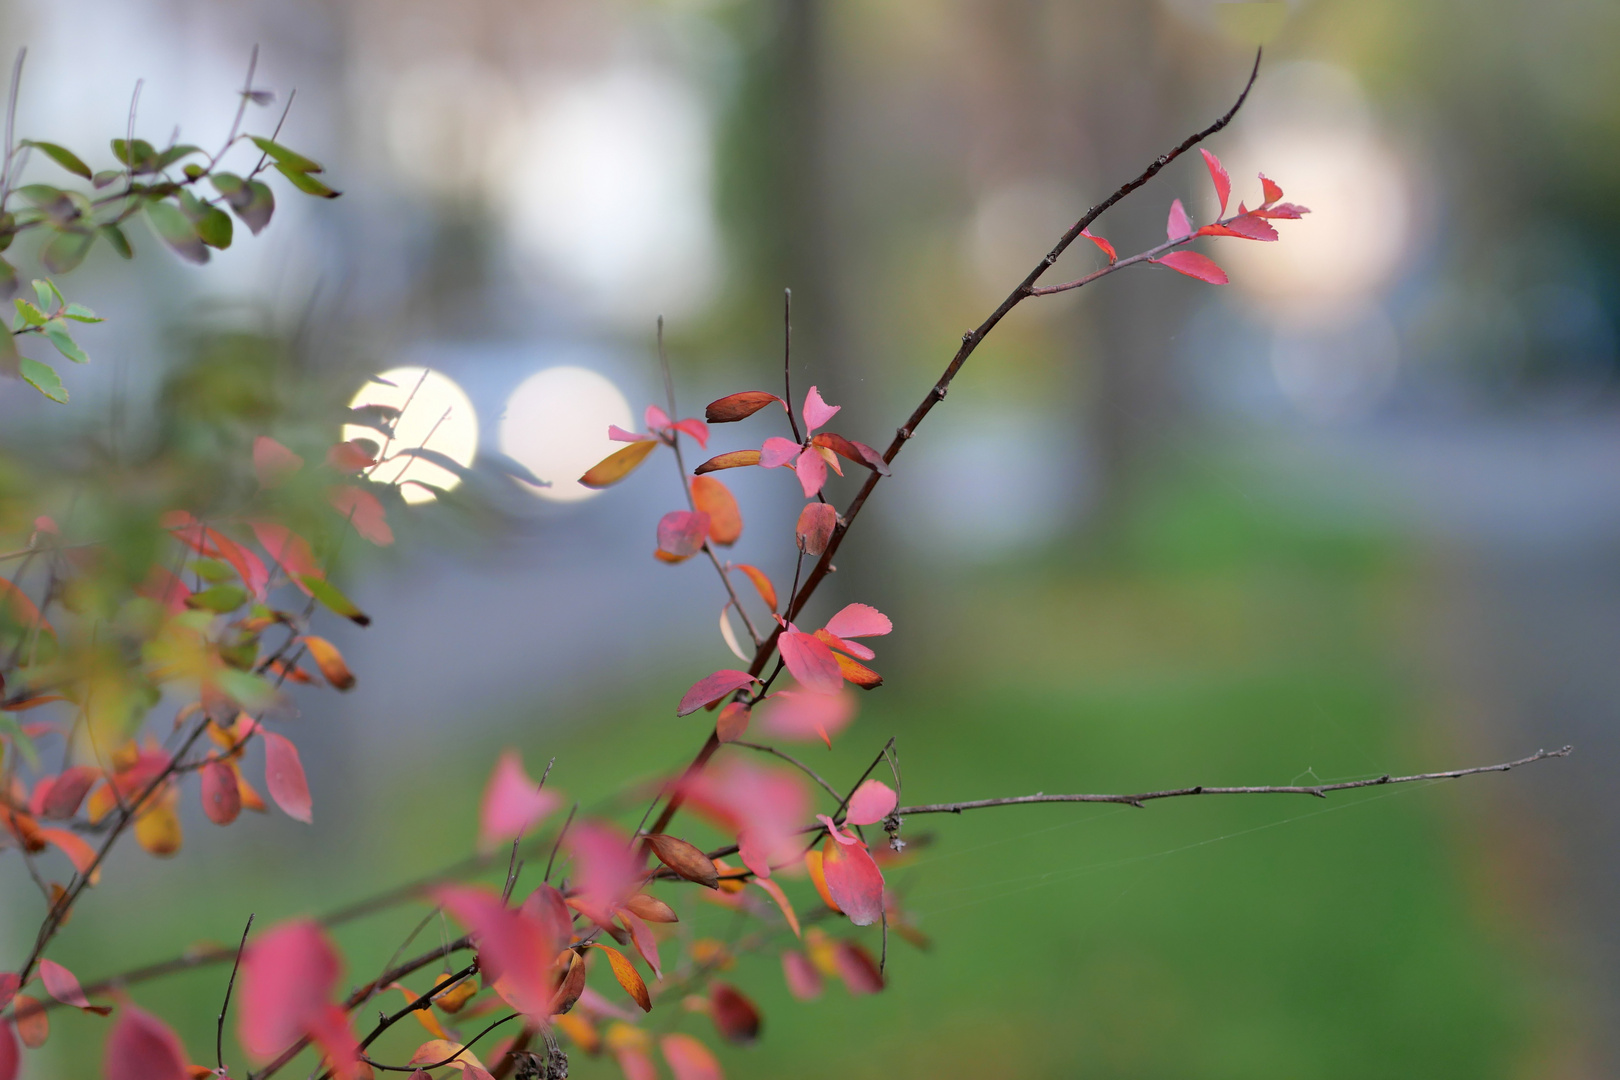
pixel 225 1006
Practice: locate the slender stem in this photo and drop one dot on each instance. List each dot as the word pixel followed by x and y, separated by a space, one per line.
pixel 787 361
pixel 225 1006
pixel 795 762
pixel 439 1064
pixel 11 125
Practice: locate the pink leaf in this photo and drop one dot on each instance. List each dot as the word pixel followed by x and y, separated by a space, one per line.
pixel 812 471
pixel 1107 248
pixel 330 1030
pixel 689 1059
pixel 1178 226
pixel 142 1047
pixel 289 550
pixel 842 837
pixel 777 451
pixel 1245 226
pixel 695 428
pixel 67 791
pixel 61 985
pixel 816 412
pixel 606 869
pixel 1288 211
pixel 547 908
pixel 811 662
pixel 349 457
pixel 515 951
pixel 713 688
pixel 803 980
pixel 618 434
pixel 1218 175
pixel 872 802
pixel 512 803
pixel 857 968
pixel 800 714
pixel 1194 265
pixel 10 1055
pixel 363 511
pixel 854 880
pixel 8 987
pixel 859 620
pixel 288 975
pixel 655 418
pixel 764 807
pixel 681 532
pixel 284 776
pixel 221 794
pixel 1272 191
pixel 272 462
pixel 641 934
pixel 815 527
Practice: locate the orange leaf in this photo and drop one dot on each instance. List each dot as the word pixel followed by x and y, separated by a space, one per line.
pixel 628 977
pixel 857 673
pixel 815 528
pixel 618 465
pixel 689 1059
pixel 715 499
pixel 685 859
pixel 812 863
pixel 734 459
pixel 424 1017
pixel 33 1025
pixel 330 661
pixel 649 907
pixel 782 902
pixel 572 984
pixel 581 1031
pixel 767 591
pixel 732 723
pixel 734 407
pixel 642 936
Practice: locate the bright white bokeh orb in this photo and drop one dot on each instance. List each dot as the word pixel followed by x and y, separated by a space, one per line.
pixel 435 414
pixel 556 425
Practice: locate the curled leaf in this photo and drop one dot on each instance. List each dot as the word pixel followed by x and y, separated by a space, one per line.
pixel 731 460
pixel 739 406
pixel 684 858
pixel 732 723
pixel 810 661
pixel 62 985
pixel 649 907
pixel 857 452
pixel 1178 227
pixel 617 465
pixel 330 661
pixel 1219 177
pixel 816 412
pixel 1102 244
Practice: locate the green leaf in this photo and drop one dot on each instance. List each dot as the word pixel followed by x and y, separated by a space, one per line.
pixel 42 377
pixel 282 156
pixel 213 570
pixel 9 282
pixel 57 331
pixel 10 358
pixel 261 204
pixel 28 314
pixel 220 598
pixel 105 177
pixel 67 249
pixel 20 739
pixel 306 183
pixel 120 243
pixel 140 160
pixel 176 230
pixel 50 297
pixel 8 229
pixel 229 185
pixel 214 227
pixel 174 154
pixel 62 156
pixel 334 600
pixel 52 200
pixel 80 313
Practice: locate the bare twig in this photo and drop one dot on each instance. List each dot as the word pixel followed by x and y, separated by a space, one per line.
pixel 1318 790
pixel 795 762
pixel 225 1006
pixel 439 1064
pixel 11 124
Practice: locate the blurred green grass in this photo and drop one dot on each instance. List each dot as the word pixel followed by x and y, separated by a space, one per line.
pixel 1218 639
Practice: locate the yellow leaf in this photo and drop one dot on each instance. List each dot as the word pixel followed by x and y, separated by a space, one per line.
pixel 618 465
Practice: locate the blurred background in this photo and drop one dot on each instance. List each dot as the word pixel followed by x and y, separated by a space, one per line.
pixel 1357 512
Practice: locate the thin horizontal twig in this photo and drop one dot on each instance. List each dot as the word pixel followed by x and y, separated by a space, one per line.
pixel 1318 790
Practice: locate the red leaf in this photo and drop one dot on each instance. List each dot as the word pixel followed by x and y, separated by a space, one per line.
pixel 712 688
pixel 248 566
pixel 872 802
pixel 364 512
pixel 349 457
pixel 1178 226
pixel 801 714
pixel 857 452
pixel 1218 175
pixel 735 1017
pixel 734 407
pixel 10 1055
pixel 512 804
pixel 8 987
pixel 689 1059
pixel 732 723
pixel 715 499
pixel 695 428
pixel 329 1028
pixel 777 451
pixel 859 620
pixel 61 800
pixel 61 985
pixel 515 950
pixel 1287 211
pixel 162 587
pixel 272 462
pixel 815 528
pixel 1272 191
pixel 857 968
pixel 1194 265
pixel 816 412
pixel 142 1047
pixel 811 468
pixel 1107 248
pixel 284 776
pixel 287 978
pixel 767 591
pixel 221 797
pixel 810 661
pixel 803 980
pixel 1244 226
pixel 681 532
pixel 289 550
pixel 79 853
pixel 854 880
pixel 606 869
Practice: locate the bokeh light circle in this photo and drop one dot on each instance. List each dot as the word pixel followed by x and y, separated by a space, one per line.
pixel 435 414
pixel 556 425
